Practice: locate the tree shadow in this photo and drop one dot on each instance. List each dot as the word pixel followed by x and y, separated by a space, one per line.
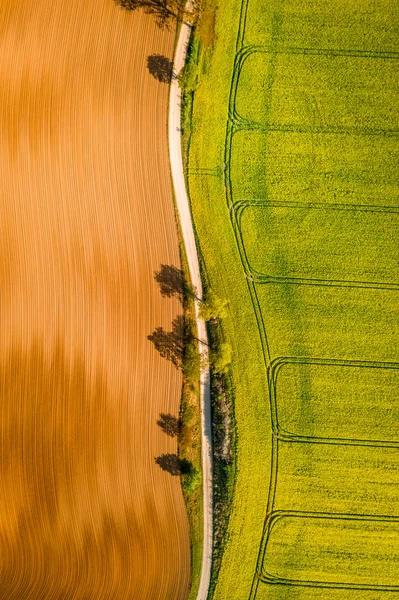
pixel 172 282
pixel 165 11
pixel 160 67
pixel 169 424
pixel 170 344
pixel 174 465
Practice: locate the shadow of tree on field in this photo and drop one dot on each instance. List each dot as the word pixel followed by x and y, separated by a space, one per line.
pixel 169 424
pixel 170 344
pixel 165 11
pixel 172 282
pixel 174 465
pixel 160 67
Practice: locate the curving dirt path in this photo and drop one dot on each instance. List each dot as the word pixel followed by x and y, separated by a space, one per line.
pixel 86 216
pixel 183 208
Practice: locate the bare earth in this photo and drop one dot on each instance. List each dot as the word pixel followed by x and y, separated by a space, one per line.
pixel 86 216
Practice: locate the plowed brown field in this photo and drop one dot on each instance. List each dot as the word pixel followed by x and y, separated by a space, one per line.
pixel 86 216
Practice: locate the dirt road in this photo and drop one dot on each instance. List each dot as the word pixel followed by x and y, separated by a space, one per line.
pixel 183 208
pixel 86 216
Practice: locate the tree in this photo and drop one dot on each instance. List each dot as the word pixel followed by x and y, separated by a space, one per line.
pixel 213 308
pixel 179 345
pixel 188 77
pixel 190 476
pixel 221 359
pixel 164 10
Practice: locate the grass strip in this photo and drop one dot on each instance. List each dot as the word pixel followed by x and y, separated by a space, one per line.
pixel 223 273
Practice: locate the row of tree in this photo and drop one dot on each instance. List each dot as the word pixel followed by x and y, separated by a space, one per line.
pixel 179 344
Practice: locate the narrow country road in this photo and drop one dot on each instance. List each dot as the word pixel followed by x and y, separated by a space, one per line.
pixel 184 212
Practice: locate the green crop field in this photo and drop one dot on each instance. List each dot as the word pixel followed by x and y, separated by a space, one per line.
pixel 293 173
pixel 329 168
pixel 302 388
pixel 328 244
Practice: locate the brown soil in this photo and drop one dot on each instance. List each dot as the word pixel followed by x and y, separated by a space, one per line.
pixel 86 217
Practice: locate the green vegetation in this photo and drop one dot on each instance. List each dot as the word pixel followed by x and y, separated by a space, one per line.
pixel 190 432
pixel 224 463
pixel 303 389
pixel 188 82
pixel 305 167
pixel 223 270
pixel 188 77
pixel 221 358
pixel 319 242
pixel 315 24
pixel 293 177
pixel 318 321
pixel 319 89
pixel 316 555
pixel 213 308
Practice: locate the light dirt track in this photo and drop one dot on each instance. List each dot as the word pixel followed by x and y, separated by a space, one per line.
pixel 186 225
pixel 86 216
